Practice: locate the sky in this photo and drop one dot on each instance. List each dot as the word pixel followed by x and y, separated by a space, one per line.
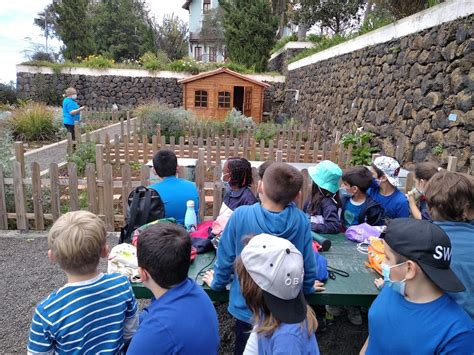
pixel 18 33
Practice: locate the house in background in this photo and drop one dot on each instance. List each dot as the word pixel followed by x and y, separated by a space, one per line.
pixel 203 49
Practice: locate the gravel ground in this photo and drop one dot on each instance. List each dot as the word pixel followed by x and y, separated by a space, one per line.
pixel 28 276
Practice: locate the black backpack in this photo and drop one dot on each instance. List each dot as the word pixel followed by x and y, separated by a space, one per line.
pixel 144 206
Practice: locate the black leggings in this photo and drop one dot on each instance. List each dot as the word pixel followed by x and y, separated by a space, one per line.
pixel 70 129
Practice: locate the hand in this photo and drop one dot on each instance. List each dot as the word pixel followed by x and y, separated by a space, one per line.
pixel 208 277
pixel 379 283
pixel 319 286
pixel 82 108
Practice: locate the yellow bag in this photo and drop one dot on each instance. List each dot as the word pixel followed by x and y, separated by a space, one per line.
pixel 375 254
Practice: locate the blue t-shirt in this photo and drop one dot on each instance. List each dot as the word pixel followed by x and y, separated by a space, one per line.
pixel 291 224
pixel 291 339
pixel 398 326
pixel 461 235
pixel 351 213
pixel 174 193
pixel 394 205
pixel 182 321
pixel 68 106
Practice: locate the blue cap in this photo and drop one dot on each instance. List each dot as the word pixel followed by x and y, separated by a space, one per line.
pixel 326 175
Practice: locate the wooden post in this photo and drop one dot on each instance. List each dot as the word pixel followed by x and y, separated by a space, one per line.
pixel 122 128
pixel 200 177
pixel 107 148
pixel 126 152
pixel 325 151
pixel 158 133
pixel 315 152
pixel 20 156
pixel 20 205
pixel 298 152
pixel 163 142
pixel 305 189
pixel 452 162
pixel 253 149
pixel 410 182
pixel 181 147
pixel 172 143
pixel 271 154
pixel 226 148
pixel 99 152
pixel 262 150
pixel 236 147
pixel 217 192
pixel 55 200
pixel 126 187
pixel 108 198
pixel 191 147
pixel 135 146
pixel 209 152
pixel 333 158
pixel 69 149
pixel 128 123
pixel 37 205
pixel 375 156
pixel 306 152
pixel 117 149
pixel 3 203
pixel 145 175
pixel 255 179
pixel 218 151
pixel 73 193
pixel 91 188
pixel 279 156
pixel 154 144
pixel 145 149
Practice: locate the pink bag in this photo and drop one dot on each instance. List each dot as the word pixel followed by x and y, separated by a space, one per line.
pixel 202 230
pixel 361 233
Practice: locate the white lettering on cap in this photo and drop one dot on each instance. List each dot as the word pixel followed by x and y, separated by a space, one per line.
pixel 442 253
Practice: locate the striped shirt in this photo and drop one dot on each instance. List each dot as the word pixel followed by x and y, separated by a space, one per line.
pixel 87 317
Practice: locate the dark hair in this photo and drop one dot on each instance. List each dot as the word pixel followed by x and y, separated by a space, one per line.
pixel 165 163
pixel 379 172
pixel 240 171
pixel 282 183
pixel 358 176
pixel 263 167
pixel 425 170
pixel 450 196
pixel 318 195
pixel 164 250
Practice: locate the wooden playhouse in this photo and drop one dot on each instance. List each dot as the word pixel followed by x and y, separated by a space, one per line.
pixel 214 93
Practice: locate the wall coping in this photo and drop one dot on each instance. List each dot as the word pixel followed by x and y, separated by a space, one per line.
pixel 134 73
pixel 291 45
pixel 434 16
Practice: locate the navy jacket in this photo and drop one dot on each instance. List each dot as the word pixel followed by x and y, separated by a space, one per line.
pixel 331 215
pixel 372 212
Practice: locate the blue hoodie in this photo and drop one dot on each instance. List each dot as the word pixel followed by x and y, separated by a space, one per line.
pixel 291 224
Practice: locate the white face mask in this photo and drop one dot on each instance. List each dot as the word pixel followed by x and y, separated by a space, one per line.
pixel 74 97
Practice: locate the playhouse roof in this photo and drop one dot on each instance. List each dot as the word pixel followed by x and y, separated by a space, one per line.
pixel 223 70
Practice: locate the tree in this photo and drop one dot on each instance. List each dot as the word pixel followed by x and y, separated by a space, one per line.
pixel 337 15
pixel 250 29
pixel 212 28
pixel 280 8
pixel 172 37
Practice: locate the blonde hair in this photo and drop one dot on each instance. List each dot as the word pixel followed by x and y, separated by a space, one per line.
pixel 265 321
pixel 70 91
pixel 76 240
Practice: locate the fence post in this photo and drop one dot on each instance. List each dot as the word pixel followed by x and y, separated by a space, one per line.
pixel 217 194
pixel 36 187
pixel 126 188
pixel 91 188
pixel 128 123
pixel 99 161
pixel 410 182
pixel 55 200
pixel 305 188
pixel 122 128
pixel 158 133
pixel 73 193
pixel 145 149
pixel 261 154
pixel 77 133
pixel 271 155
pixel 108 198
pixel 145 175
pixel 126 147
pixel 135 146
pixel 452 162
pixel 279 156
pixel 200 177
pixel 20 205
pixel 191 147
pixel 3 203
pixel 69 149
pixel 20 156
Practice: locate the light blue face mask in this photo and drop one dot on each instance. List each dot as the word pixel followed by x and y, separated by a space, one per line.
pixel 397 286
pixel 74 97
pixel 344 193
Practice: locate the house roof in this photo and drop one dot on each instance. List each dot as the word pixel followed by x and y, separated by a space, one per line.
pixel 186 4
pixel 223 70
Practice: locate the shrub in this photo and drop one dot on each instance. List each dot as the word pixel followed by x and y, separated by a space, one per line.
pixel 361 149
pixel 172 120
pixel 151 61
pixel 84 154
pixel 237 122
pixel 281 43
pixel 185 65
pixel 265 131
pixel 7 93
pixel 6 144
pixel 98 61
pixel 33 121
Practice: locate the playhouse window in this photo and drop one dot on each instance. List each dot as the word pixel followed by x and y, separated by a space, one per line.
pixel 200 98
pixel 223 99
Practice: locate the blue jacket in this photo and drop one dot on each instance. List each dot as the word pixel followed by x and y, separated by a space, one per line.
pixel 394 205
pixel 371 212
pixel 68 106
pixel 291 224
pixel 241 197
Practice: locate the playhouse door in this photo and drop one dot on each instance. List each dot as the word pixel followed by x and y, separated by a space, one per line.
pixel 248 102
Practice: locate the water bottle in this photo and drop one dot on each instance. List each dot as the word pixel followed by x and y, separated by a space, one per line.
pixel 190 219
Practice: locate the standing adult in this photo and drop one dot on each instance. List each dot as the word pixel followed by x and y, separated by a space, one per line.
pixel 71 110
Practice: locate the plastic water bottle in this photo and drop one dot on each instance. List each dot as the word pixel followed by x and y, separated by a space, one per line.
pixel 190 219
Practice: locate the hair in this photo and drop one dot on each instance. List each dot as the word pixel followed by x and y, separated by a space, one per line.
pixel 77 240
pixel 282 183
pixel 165 163
pixel 358 176
pixel 70 91
pixel 317 196
pixel 450 196
pixel 379 172
pixel 425 170
pixel 253 295
pixel 164 250
pixel 240 172
pixel 263 167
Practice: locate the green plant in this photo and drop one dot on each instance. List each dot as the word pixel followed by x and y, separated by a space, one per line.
pixel 151 62
pixel 237 122
pixel 7 93
pixel 437 150
pixel 185 65
pixel 265 131
pixel 6 144
pixel 98 61
pixel 361 149
pixel 33 121
pixel 84 154
pixel 135 165
pixel 321 44
pixel 281 43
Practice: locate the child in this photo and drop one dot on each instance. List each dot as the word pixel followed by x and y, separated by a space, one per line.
pixel 276 215
pixel 416 197
pixel 270 272
pixel 324 205
pixel 263 167
pixel 384 188
pixel 450 198
pixel 357 207
pixel 180 318
pixel 93 312
pixel 412 313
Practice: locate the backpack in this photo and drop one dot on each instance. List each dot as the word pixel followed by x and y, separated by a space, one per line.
pixel 144 206
pixel 375 254
pixel 361 233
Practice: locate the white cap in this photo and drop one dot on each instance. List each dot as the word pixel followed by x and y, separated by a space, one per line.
pixel 190 203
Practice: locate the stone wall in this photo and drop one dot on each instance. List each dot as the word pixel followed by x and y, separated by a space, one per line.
pixel 414 93
pixel 100 91
pixel 278 62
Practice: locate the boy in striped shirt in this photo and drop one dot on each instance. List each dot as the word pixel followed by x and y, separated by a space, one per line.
pixel 94 312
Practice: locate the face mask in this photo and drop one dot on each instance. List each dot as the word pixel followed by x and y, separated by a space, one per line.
pixel 344 193
pixel 397 286
pixel 74 97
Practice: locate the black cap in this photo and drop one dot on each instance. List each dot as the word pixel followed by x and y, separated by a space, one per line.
pixel 426 244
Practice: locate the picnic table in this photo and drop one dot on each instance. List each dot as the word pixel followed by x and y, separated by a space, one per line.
pixel 357 289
